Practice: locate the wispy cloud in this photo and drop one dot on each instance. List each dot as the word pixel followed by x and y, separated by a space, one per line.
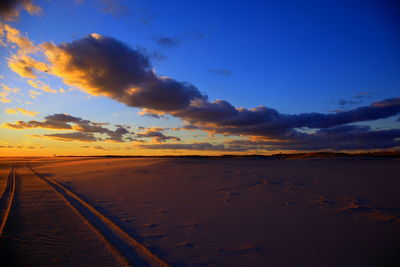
pixel 22 111
pixel 355 100
pixel 220 71
pixel 41 86
pixel 116 8
pixel 5 93
pixel 166 41
pixel 75 136
pixel 33 94
pixel 157 135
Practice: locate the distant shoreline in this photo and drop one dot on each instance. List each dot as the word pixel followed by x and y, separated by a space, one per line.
pixel 381 154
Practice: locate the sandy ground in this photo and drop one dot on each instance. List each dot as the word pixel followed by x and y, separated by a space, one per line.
pixel 43 231
pixel 244 212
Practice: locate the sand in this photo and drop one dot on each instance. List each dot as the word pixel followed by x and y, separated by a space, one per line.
pixel 228 212
pixel 43 231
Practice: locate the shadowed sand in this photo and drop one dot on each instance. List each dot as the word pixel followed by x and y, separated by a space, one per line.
pixel 43 231
pixel 235 212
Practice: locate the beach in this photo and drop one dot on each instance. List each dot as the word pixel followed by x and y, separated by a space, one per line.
pixel 206 211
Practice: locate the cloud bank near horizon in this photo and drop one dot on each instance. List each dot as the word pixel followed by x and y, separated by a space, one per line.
pixel 84 130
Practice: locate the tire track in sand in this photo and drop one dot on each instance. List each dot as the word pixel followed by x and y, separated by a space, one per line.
pixel 135 253
pixel 42 230
pixel 7 199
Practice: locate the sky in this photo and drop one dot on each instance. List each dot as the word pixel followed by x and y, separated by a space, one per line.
pixel 121 77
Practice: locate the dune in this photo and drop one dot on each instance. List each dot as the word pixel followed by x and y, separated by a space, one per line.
pixel 230 211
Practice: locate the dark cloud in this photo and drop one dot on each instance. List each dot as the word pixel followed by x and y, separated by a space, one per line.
pixel 194 146
pixel 62 121
pixel 186 128
pixel 363 95
pixel 344 137
pixel 39 124
pixel 62 117
pixel 104 66
pixel 75 136
pixel 221 117
pixel 356 99
pixel 114 7
pixel 220 71
pixel 343 102
pixel 166 41
pixel 157 135
pixel 100 148
pixel 9 9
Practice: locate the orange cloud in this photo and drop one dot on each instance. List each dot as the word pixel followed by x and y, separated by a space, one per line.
pixel 41 86
pixel 33 94
pixel 22 111
pixel 13 36
pixel 75 136
pixel 6 90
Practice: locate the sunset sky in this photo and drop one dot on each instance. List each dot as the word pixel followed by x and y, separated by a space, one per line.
pixel 98 77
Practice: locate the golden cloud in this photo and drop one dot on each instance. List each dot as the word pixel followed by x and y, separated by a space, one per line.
pixel 41 86
pixel 21 111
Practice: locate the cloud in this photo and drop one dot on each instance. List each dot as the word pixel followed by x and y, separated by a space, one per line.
pixel 5 93
pixel 75 136
pixel 99 148
pixel 221 117
pixel 104 66
pixel 61 121
pixel 4 97
pixel 166 41
pixel 41 86
pixel 13 36
pixel 9 9
pixel 38 124
pixel 33 94
pixel 220 71
pixel 157 135
pixel 21 111
pixel 356 99
pixel 193 146
pixel 114 7
pixel 344 137
pixel 28 147
pixel 9 89
pixel 62 117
